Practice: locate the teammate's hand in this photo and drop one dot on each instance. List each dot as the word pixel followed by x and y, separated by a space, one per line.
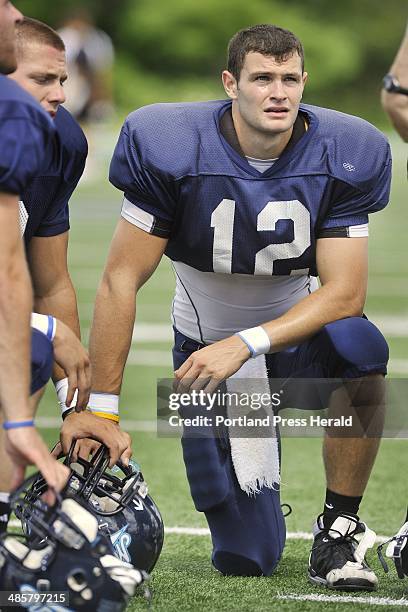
pixel 26 447
pixel 78 425
pixel 85 448
pixel 74 360
pixel 208 367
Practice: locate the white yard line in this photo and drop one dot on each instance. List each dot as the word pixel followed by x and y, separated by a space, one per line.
pixel 152 332
pixel 368 601
pixel 290 535
pixel 398 366
pixel 204 531
pixel 393 326
pixel 150 358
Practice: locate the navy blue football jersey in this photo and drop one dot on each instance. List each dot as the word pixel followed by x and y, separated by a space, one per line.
pixel 46 197
pixel 26 137
pixel 183 181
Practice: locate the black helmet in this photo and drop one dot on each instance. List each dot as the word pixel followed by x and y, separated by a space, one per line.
pixel 125 511
pixel 68 554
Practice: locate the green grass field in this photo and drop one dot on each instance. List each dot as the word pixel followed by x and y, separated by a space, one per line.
pixel 184 579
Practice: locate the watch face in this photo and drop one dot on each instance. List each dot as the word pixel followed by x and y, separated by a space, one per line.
pixel 390 83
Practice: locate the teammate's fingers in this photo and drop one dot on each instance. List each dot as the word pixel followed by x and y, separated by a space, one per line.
pixel 72 385
pixel 212 385
pixel 74 454
pixel 57 450
pixel 49 497
pixel 126 455
pixel 85 448
pixel 183 385
pixel 17 476
pixel 114 453
pixel 200 383
pixel 55 474
pixel 84 389
pixel 66 441
pixel 183 369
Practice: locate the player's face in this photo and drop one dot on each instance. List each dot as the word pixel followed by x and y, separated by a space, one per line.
pixel 9 16
pixel 268 93
pixel 42 72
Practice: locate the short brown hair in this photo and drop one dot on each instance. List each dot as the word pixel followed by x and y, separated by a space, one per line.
pixel 267 39
pixel 33 31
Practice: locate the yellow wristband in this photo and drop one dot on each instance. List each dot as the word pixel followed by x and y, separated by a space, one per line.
pixel 104 405
pixel 106 415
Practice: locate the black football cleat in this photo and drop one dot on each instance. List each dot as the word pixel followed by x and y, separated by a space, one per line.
pixel 337 559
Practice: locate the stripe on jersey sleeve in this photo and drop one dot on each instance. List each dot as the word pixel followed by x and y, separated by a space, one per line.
pixel 353 231
pixel 144 220
pixel 358 231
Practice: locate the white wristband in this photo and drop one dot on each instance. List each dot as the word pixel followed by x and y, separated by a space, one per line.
pixel 105 405
pixel 256 339
pixel 45 324
pixel 61 387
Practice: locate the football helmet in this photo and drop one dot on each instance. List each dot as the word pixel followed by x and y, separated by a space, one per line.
pixel 68 554
pixel 119 498
pixel 397 550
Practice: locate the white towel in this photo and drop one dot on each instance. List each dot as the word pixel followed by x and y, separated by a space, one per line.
pixel 255 460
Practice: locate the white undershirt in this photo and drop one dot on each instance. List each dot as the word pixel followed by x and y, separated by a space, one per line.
pixel 262 165
pixel 208 306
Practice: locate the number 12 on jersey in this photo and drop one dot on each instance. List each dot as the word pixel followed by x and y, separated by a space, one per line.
pixel 222 220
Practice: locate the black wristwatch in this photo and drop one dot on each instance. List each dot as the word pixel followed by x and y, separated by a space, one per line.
pixel 391 84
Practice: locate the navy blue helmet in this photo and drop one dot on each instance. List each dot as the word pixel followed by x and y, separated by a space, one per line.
pixel 65 553
pixel 126 512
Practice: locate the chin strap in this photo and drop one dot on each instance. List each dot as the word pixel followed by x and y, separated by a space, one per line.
pixel 128 576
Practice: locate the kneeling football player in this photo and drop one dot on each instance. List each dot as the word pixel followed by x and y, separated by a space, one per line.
pixel 250 198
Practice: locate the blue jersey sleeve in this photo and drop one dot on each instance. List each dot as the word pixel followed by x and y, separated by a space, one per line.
pixel 351 203
pixel 27 143
pixel 56 219
pixel 149 199
pixel 73 153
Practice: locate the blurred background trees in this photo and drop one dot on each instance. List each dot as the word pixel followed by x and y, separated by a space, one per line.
pixel 175 50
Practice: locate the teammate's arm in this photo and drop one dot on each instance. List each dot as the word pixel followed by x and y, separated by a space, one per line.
pixel 54 294
pixel 24 444
pixel 396 104
pixel 343 269
pixel 133 257
pixel 15 311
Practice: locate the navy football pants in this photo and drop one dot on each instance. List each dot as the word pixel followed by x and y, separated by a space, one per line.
pixel 42 359
pixel 248 533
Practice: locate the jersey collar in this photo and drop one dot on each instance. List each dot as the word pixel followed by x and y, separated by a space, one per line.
pixel 234 151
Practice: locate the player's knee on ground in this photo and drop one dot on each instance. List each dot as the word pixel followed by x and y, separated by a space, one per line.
pixel 360 345
pixel 42 359
pixel 233 564
pixel 248 532
pixel 248 535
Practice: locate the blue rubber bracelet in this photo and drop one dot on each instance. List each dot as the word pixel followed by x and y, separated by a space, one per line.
pixel 50 330
pixel 250 347
pixel 17 424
